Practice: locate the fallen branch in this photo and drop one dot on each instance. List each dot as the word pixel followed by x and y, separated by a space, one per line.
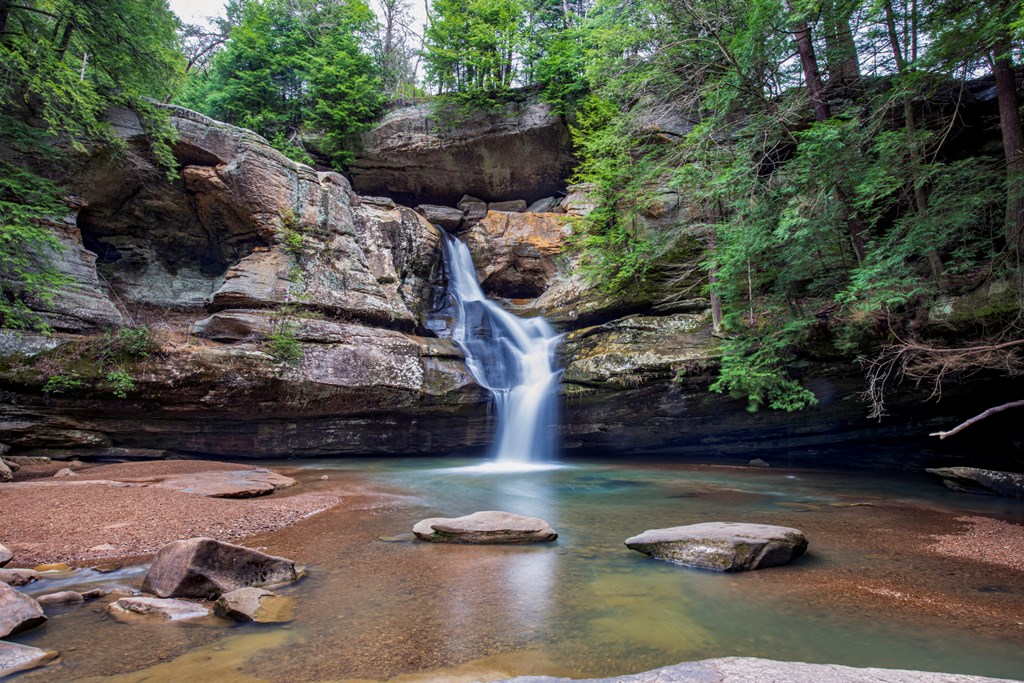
pixel 979 418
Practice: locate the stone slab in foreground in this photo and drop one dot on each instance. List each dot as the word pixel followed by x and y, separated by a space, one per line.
pixel 205 568
pixel 14 658
pixel 722 546
pixel 487 527
pixel 753 670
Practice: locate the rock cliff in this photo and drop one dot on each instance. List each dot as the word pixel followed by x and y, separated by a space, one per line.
pixel 293 317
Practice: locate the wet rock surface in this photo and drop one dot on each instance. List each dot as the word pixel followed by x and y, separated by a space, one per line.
pixel 18 612
pixel 18 577
pixel 205 568
pixel 490 527
pixel 750 669
pixel 158 608
pixel 254 604
pixel 60 598
pixel 15 658
pixel 236 484
pixel 722 546
pixel 975 480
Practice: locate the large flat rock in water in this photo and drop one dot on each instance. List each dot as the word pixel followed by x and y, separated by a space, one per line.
pixel 168 610
pixel 485 528
pixel 232 484
pixel 722 546
pixel 753 670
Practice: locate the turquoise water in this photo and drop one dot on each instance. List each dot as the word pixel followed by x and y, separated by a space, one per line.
pixel 377 604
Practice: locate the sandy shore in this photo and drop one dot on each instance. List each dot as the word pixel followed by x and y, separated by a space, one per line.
pixel 90 518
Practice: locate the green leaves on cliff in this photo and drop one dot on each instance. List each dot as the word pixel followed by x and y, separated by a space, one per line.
pixel 293 67
pixel 63 64
pixel 830 185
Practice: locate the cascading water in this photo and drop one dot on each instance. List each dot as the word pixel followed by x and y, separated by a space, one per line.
pixel 511 357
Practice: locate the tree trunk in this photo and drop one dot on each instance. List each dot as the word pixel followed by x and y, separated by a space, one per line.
pixel 843 66
pixel 916 159
pixel 1013 142
pixel 812 76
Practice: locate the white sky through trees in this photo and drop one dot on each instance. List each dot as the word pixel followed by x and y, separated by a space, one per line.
pixel 196 11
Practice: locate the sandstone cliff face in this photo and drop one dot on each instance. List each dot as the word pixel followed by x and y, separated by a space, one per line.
pixel 245 244
pixel 418 154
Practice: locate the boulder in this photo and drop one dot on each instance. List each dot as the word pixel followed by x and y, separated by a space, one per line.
pixel 61 598
pixel 168 609
pixel 18 612
pixel 5 555
pixel 546 205
pixel 28 459
pixel 18 577
pixel 253 604
pixel 15 658
pixel 447 217
pixel 473 209
pixel 489 527
pixel 229 484
pixel 11 465
pixel 5 472
pixel 206 568
pixel 425 153
pixel 988 482
pixel 758 462
pixel 515 253
pixel 509 206
pixel 722 546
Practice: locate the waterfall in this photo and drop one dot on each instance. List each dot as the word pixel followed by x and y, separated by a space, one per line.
pixel 511 357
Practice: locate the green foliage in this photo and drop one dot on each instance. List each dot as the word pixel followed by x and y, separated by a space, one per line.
pixel 133 342
pixel 62 383
pixel 292 66
pixel 62 65
pixel 282 343
pixel 822 233
pixel 121 382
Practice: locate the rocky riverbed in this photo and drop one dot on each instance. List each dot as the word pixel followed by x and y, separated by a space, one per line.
pixel 582 606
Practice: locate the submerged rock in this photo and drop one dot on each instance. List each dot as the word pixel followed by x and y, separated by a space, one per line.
pixel 722 546
pixel 5 555
pixel 750 669
pixel 18 577
pixel 206 568
pixel 254 604
pixel 61 598
pixel 18 612
pixel 485 528
pixel 169 609
pixel 15 658
pixel 988 482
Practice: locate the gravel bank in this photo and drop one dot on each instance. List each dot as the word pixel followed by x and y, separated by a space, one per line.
pixel 85 522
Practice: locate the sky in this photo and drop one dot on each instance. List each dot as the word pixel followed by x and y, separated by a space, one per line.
pixel 195 11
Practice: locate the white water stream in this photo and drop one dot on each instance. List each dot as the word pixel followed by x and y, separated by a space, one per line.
pixel 511 357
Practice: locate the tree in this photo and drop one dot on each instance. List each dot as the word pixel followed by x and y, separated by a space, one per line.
pixel 291 66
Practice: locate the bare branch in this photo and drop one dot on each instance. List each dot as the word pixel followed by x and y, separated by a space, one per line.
pixel 979 418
